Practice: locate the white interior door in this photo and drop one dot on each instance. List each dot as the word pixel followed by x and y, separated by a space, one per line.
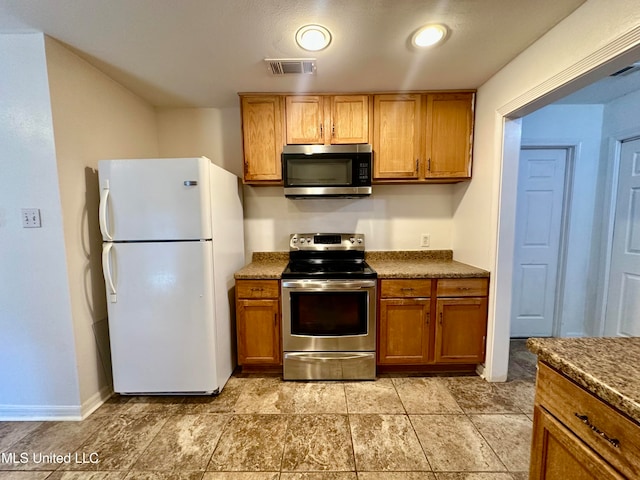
pixel 623 300
pixel 539 210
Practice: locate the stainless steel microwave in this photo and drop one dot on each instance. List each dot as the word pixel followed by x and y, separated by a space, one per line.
pixel 327 170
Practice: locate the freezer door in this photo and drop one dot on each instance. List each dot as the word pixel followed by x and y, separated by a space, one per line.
pixel 161 316
pixel 155 199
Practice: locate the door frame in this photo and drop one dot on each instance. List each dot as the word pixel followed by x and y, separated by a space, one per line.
pixel 570 148
pixel 611 198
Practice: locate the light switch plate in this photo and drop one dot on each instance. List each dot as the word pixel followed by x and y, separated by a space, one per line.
pixel 31 218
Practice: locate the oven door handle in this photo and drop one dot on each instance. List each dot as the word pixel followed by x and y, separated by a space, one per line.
pixel 310 357
pixel 330 285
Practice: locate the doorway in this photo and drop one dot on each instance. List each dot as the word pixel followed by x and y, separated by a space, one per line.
pixel 622 315
pixel 541 213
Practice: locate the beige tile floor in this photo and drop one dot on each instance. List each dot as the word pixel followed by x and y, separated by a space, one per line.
pixel 261 428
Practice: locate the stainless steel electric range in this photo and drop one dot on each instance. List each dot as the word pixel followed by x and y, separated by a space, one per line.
pixel 328 309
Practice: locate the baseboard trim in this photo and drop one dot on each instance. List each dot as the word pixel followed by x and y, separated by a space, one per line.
pixel 55 412
pixel 39 412
pixel 95 401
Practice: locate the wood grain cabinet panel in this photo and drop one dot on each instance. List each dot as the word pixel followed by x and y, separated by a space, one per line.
pixel 461 330
pixel 423 137
pixel 404 331
pixel 305 119
pixel 349 119
pixel 404 322
pixel 258 322
pixel 327 119
pixel 558 454
pixel 262 138
pixel 594 425
pixel 397 123
pixel 463 287
pixel 449 135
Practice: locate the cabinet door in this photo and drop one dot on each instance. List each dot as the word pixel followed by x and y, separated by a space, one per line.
pixel 258 330
pixel 262 135
pixel 350 119
pixel 449 135
pixel 557 454
pixel 461 330
pixel 396 136
pixel 305 119
pixel 404 331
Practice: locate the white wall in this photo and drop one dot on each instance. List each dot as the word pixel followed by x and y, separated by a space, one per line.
pixel 93 118
pixel 392 218
pixel 193 132
pixel 37 352
pixel 477 207
pixel 578 126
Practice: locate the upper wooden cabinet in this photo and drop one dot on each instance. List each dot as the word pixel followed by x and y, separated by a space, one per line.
pixel 423 137
pixel 449 135
pixel 323 119
pixel 396 136
pixel 263 137
pixel 417 137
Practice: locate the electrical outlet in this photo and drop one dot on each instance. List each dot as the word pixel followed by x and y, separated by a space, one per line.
pixel 425 240
pixel 31 218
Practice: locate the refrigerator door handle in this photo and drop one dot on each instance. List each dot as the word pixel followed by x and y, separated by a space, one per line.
pixel 106 270
pixel 104 196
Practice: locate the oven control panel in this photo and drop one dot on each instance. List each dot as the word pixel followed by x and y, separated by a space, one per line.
pixel 326 241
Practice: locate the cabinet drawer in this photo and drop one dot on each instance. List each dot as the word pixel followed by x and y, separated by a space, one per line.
pixel 405 288
pixel 257 289
pixel 463 287
pixel 611 434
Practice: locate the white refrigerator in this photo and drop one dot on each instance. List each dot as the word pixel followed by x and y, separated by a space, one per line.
pixel 172 233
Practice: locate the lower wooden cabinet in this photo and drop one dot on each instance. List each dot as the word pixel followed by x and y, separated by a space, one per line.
pixel 559 455
pixel 404 331
pixel 577 435
pixel 432 321
pixel 258 322
pixel 461 330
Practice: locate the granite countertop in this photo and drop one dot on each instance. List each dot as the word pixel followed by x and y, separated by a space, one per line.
pixel 607 367
pixel 264 266
pixel 420 264
pixel 388 264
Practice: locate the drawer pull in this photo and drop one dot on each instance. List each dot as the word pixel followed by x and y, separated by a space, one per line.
pixel 256 289
pixel 407 289
pixel 585 419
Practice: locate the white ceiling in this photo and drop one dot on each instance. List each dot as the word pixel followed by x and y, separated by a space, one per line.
pixel 200 53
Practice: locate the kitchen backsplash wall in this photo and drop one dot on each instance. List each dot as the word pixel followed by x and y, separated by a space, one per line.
pixel 393 218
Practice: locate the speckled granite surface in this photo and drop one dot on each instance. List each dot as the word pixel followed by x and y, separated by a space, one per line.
pixel 264 265
pixel 607 367
pixel 388 264
pixel 421 264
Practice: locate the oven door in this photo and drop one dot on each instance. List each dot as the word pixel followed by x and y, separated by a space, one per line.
pixel 328 315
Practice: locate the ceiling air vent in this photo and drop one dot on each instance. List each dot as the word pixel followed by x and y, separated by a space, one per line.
pixel 291 66
pixel 634 67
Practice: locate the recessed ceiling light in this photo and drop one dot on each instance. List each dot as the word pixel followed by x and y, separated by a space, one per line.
pixel 429 35
pixel 313 37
